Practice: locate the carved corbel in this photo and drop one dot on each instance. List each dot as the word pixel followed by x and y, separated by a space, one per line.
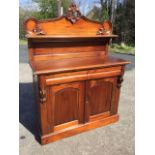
pixel 42 95
pixel 119 81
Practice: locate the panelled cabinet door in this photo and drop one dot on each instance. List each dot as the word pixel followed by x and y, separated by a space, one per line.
pixel 100 97
pixel 66 102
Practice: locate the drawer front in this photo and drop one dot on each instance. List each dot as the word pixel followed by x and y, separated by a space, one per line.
pixel 83 75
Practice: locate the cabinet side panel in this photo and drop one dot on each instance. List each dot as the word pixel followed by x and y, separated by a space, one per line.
pixel 69 49
pixel 37 108
pixel 30 50
pixel 43 107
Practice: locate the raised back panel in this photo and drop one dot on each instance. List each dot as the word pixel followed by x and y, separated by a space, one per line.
pixel 69 49
pixel 61 26
pixel 100 98
pixel 66 105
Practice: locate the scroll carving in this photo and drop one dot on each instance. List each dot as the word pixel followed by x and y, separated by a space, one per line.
pixel 73 14
pixel 37 30
pixel 105 29
pixel 42 94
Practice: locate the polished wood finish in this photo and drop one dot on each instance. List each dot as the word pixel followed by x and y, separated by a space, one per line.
pixel 67 102
pixel 99 96
pixel 77 84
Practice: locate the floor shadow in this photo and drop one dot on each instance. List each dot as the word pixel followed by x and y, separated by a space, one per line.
pixel 27 109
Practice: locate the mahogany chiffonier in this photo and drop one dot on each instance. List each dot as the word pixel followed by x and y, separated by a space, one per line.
pixel 77 84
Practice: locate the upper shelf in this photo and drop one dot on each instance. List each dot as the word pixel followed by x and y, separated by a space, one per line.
pixel 70 36
pixel 72 25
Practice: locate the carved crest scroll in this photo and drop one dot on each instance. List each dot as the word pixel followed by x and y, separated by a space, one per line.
pixel 35 27
pixel 38 30
pixel 105 29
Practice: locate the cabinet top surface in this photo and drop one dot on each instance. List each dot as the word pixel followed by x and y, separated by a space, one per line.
pixel 76 64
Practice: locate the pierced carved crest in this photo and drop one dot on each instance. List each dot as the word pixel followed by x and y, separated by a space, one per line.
pixel 73 14
pixel 38 30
